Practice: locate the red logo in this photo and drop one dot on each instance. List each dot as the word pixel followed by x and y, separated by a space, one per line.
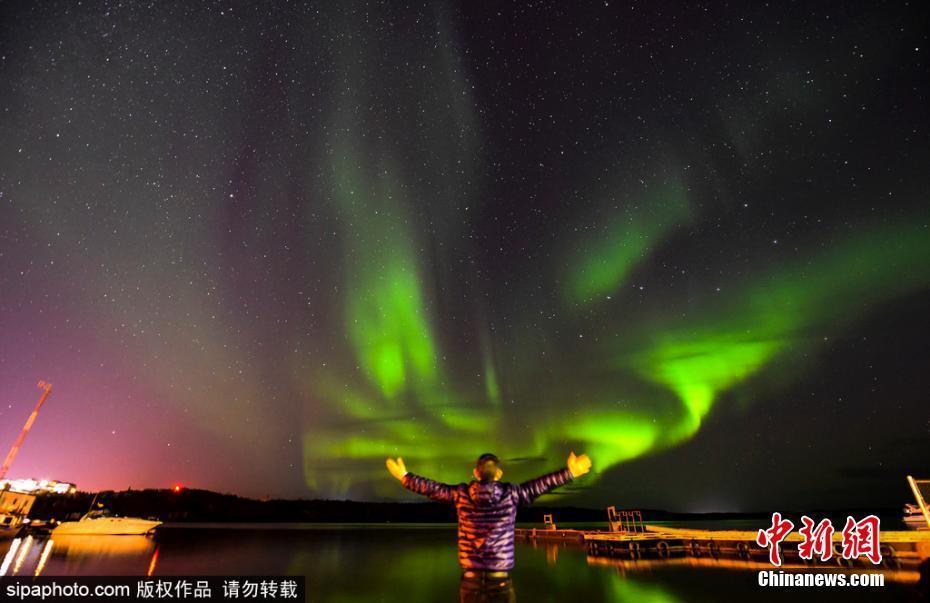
pixel 817 541
pixel 773 536
pixel 859 538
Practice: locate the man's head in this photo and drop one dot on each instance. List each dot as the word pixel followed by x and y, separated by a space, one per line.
pixel 488 468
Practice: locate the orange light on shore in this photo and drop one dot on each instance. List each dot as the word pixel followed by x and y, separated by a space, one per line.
pixel 177 488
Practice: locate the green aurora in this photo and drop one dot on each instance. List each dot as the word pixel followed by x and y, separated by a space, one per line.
pixel 405 386
pixel 260 250
pixel 676 365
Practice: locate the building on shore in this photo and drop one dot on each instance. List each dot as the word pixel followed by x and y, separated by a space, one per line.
pixel 14 508
pixel 36 486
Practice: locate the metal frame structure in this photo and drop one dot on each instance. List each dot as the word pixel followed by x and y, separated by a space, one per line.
pixel 47 389
pixel 920 498
pixel 548 522
pixel 630 521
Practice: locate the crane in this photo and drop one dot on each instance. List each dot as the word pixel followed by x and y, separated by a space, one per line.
pixel 46 388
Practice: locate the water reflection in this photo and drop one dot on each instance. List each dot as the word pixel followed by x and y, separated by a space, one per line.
pixel 76 555
pixel 153 563
pixel 10 555
pixel 627 566
pixel 23 551
pixel 483 588
pixel 43 558
pixel 97 545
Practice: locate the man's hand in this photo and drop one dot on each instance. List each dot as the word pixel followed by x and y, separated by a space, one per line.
pixel 578 465
pixel 399 470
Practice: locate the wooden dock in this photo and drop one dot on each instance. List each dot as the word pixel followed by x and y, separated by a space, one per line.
pixel 900 549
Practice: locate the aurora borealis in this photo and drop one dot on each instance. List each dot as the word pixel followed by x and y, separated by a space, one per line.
pixel 260 249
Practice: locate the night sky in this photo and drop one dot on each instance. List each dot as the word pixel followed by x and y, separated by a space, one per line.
pixel 259 247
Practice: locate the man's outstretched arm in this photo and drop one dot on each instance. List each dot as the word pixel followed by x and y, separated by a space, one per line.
pixel 421 485
pixel 533 489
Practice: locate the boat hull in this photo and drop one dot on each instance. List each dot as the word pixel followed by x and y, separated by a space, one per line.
pixel 107 525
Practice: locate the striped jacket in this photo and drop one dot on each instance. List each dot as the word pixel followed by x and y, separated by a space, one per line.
pixel 487 513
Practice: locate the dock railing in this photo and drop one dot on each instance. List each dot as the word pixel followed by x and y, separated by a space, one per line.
pixel 548 522
pixel 919 497
pixel 625 520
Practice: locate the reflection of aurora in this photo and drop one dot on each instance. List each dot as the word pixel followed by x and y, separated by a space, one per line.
pixel 421 566
pixel 397 382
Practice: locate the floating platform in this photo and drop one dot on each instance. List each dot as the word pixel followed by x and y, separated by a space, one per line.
pixel 554 535
pixel 900 549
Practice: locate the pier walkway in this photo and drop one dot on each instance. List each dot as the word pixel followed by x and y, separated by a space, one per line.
pixel 900 549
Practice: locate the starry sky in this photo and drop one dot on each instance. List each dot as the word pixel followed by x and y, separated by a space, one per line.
pixel 259 247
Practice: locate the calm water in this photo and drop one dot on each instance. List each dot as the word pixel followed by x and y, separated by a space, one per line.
pixel 404 564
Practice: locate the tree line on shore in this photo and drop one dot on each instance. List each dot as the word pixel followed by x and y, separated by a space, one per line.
pixel 194 505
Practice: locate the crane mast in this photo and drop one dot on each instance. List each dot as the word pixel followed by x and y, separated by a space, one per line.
pixel 47 389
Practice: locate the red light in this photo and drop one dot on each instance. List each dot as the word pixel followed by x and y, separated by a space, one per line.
pixel 177 488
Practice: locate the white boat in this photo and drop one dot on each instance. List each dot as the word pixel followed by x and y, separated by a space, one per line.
pixel 101 522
